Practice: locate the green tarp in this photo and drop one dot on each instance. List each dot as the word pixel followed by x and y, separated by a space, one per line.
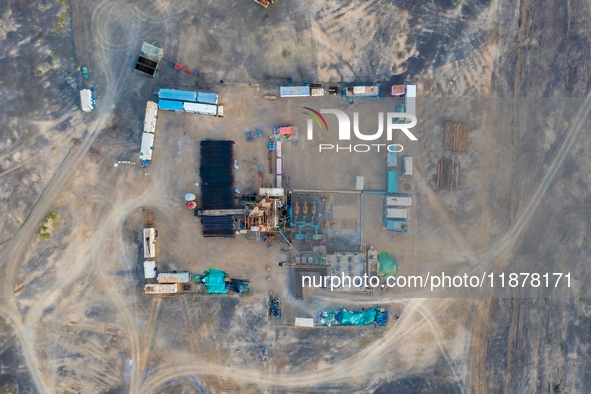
pixel 359 318
pixel 343 317
pixel 215 282
pixel 387 265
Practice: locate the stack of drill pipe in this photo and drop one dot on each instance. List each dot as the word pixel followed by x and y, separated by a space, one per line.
pixel 447 175
pixel 456 136
pixel 217 186
pixel 217 177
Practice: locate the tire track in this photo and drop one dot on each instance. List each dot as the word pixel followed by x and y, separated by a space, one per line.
pixel 413 318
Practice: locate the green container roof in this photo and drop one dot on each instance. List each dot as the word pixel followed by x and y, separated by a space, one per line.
pixel 392 181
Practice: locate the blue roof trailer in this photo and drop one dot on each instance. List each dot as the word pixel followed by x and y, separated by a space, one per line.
pixel 398 226
pixel 178 95
pixel 169 105
pixel 207 98
pixel 392 181
pixel 294 91
pixel 392 159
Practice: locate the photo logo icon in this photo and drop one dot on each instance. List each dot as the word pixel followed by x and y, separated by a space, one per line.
pixel 317 117
pixel 391 119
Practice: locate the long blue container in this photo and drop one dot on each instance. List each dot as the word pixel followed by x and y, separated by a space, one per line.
pixel 392 181
pixel 178 95
pixel 169 105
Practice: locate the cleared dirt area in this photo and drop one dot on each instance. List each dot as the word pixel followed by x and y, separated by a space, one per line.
pixel 74 317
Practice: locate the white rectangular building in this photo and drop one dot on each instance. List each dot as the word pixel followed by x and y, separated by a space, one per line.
pixel 173 277
pixel 147 146
pixel 150 119
pixel 149 243
pixel 396 201
pixel 87 100
pixel 304 322
pixel 149 269
pixel 397 213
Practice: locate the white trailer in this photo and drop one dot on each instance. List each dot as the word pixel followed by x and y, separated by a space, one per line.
pixel 150 119
pixel 87 100
pixel 149 269
pixel 398 201
pixel 160 288
pixel 147 147
pixel 173 277
pixel 149 243
pixel 407 166
pixel 397 213
pixel 204 109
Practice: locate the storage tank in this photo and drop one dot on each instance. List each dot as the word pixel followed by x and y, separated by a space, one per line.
pixel 190 197
pixel 191 205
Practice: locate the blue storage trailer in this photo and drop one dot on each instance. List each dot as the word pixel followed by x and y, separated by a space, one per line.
pixel 178 95
pixel 207 98
pixel 169 105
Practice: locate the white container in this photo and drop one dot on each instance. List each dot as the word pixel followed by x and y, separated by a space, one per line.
pixel 190 197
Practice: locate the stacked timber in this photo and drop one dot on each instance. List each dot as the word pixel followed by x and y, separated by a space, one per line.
pixel 456 136
pixel 447 174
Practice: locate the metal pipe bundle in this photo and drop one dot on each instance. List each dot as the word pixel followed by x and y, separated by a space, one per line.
pixel 217 186
pixel 217 177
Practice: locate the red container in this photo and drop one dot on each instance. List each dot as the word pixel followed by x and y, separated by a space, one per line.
pixel 191 204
